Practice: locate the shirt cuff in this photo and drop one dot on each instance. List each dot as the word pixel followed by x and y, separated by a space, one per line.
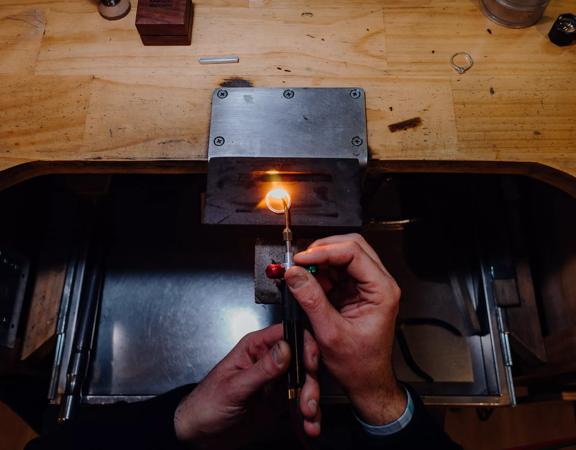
pixel 392 427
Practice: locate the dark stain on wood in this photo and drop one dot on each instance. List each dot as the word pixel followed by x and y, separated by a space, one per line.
pixel 537 133
pixel 489 30
pixel 236 82
pixel 390 108
pixel 492 91
pixel 370 153
pixel 405 124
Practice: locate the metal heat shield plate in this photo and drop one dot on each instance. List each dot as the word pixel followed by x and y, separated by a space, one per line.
pixel 295 123
pixel 324 192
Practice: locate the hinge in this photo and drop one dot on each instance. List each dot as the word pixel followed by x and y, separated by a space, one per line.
pixel 506 354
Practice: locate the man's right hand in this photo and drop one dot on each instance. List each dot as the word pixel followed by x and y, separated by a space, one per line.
pixel 352 305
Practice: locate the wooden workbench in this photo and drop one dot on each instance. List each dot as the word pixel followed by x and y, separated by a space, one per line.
pixel 81 94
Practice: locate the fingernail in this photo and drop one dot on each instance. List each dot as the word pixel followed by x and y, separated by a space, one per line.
pixel 313 405
pixel 316 426
pixel 297 280
pixel 277 354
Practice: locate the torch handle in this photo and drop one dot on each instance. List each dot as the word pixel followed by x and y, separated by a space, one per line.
pixel 294 335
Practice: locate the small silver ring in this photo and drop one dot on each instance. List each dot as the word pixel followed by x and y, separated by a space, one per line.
pixel 458 68
pixel 285 201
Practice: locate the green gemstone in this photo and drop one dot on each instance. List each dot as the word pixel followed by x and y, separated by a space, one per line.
pixel 313 269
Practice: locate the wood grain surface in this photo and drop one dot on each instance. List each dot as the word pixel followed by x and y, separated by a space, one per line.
pixel 82 94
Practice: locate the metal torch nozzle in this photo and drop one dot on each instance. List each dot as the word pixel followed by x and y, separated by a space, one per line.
pixel 287 236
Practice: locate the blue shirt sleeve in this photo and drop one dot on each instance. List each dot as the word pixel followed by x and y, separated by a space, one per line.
pixel 392 427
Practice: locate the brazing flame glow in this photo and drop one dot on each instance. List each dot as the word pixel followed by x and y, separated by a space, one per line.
pixel 275 200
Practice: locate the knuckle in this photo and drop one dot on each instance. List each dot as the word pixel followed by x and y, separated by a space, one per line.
pixel 267 369
pixel 395 291
pixel 247 338
pixel 353 247
pixel 331 337
pixel 390 289
pixel 226 388
pixel 313 300
pixel 358 238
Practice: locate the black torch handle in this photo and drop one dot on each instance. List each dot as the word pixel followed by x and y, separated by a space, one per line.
pixel 294 335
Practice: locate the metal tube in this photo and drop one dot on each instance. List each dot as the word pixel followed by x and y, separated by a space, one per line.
pixel 293 328
pixel 219 60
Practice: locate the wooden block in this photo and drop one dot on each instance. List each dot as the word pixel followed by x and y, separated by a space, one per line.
pixel 166 40
pixel 163 17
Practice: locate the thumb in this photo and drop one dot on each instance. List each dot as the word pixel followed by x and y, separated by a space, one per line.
pixel 308 292
pixel 272 365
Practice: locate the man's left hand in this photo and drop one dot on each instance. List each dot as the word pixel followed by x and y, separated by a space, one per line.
pixel 239 398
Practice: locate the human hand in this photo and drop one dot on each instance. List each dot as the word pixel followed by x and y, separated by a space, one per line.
pixel 243 396
pixel 352 305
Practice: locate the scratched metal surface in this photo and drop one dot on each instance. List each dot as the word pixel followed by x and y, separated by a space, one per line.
pixel 308 123
pixel 169 315
pixel 179 295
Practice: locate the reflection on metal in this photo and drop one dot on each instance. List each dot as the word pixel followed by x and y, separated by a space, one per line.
pixel 507 355
pixel 83 338
pixel 240 322
pixel 169 315
pixel 68 320
pixel 219 60
pixel 391 225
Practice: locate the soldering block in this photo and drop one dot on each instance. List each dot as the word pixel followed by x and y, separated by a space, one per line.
pixel 164 22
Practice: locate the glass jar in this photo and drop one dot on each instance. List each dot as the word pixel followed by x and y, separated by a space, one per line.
pixel 514 13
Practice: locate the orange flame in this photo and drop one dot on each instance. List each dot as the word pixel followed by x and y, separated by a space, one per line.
pixel 276 198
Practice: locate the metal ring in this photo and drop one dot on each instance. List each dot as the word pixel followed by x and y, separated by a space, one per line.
pixel 458 68
pixel 287 200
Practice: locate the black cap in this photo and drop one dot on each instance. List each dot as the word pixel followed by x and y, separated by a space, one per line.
pixel 563 32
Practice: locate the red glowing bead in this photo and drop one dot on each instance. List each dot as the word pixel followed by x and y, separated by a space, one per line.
pixel 275 271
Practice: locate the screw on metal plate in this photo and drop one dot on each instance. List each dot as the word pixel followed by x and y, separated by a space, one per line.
pixel 222 93
pixel 288 93
pixel 467 66
pixel 219 141
pixel 357 141
pixel 355 93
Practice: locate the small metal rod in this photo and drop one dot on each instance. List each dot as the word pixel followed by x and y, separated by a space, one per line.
pixel 287 235
pixel 219 60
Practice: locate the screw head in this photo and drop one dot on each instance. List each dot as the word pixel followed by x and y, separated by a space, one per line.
pixel 288 93
pixel 355 93
pixel 219 141
pixel 357 141
pixel 222 93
